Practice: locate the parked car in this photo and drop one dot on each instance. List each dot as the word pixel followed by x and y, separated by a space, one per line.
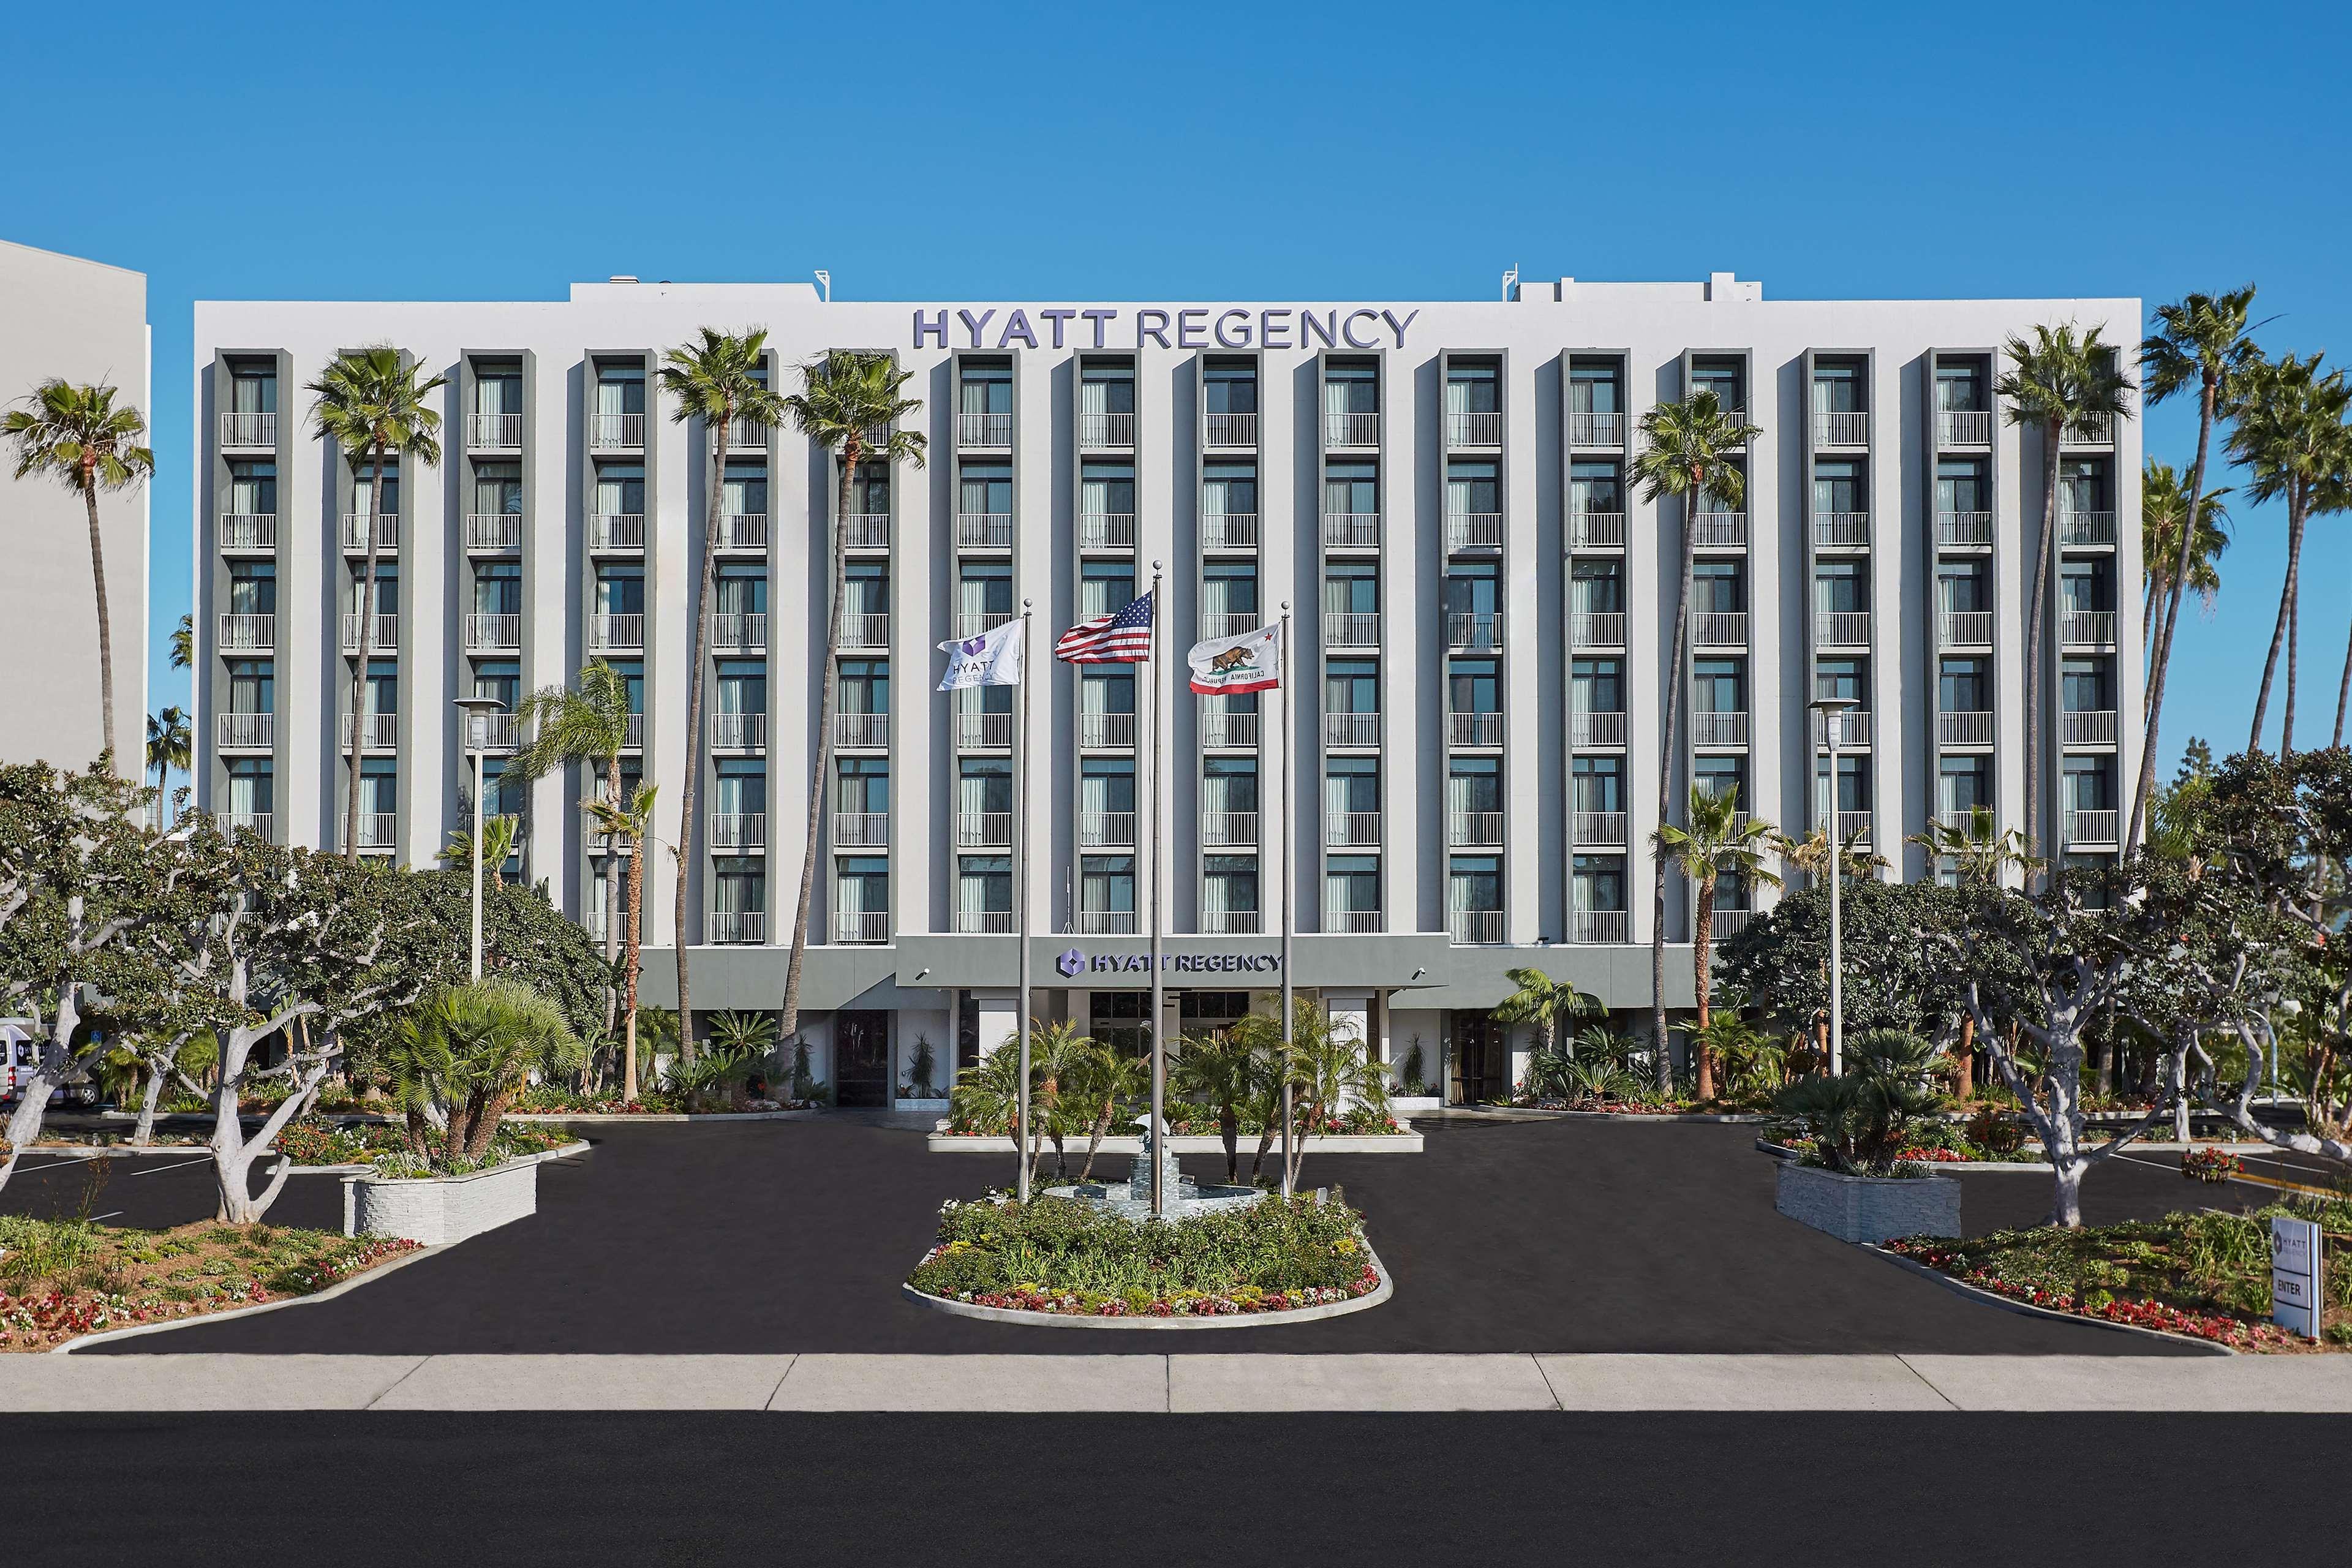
pixel 20 1053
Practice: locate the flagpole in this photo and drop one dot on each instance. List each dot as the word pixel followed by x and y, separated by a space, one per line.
pixel 1158 1053
pixel 1282 875
pixel 1021 894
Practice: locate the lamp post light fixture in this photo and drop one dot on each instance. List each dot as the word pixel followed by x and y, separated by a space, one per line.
pixel 1833 711
pixel 475 714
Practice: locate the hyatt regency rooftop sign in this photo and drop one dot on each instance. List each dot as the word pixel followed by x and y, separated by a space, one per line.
pixel 1189 327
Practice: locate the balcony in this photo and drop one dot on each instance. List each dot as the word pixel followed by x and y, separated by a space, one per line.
pixel 1474 631
pixel 1351 922
pixel 615 432
pixel 983 429
pixel 617 531
pixel 1474 429
pixel 1474 830
pixel 616 634
pixel 739 830
pixel 378 830
pixel 247 430
pixel 1351 530
pixel 499 530
pixel 1854 825
pixel 1227 624
pixel 2087 628
pixel 635 733
pixel 984 830
pixel 1349 729
pixel 739 731
pixel 1854 728
pixel 593 835
pixel 746 436
pixel 1600 925
pixel 2092 828
pixel 1102 431
pixel 1229 922
pixel 1228 829
pixel 1718 628
pixel 262 825
pixel 743 530
pixel 974 623
pixel 1963 530
pixel 1841 529
pixel 871 731
pixel 247 731
pixel 2087 727
pixel 355 533
pixel 984 530
pixel 730 927
pixel 2087 527
pixel 1229 531
pixel 1107 923
pixel 1477 926
pixel 386 637
pixel 1842 428
pixel 983 731
pixel 1591 630
pixel 1112 731
pixel 241 530
pixel 1229 430
pixel 1841 629
pixel 1719 529
pixel 493 634
pixel 739 633
pixel 2096 430
pixel 1719 729
pixel 1351 429
pixel 1596 530
pixel 865 531
pixel 861 633
pixel 1605 828
pixel 493 732
pixel 1964 426
pixel 1351 630
pixel 248 634
pixel 1106 829
pixel 861 829
pixel 1351 829
pixel 1730 923
pixel 1474 729
pixel 1474 530
pixel 984 923
pixel 1105 530
pixel 1587 427
pixel 1229 732
pixel 1964 729
pixel 493 431
pixel 1596 728
pixel 1966 628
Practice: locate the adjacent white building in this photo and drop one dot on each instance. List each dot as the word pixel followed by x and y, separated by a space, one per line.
pixel 1481 600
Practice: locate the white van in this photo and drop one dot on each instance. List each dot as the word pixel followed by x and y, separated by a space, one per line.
pixel 20 1053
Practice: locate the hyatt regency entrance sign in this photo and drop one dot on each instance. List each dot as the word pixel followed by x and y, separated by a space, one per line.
pixel 1078 962
pixel 1180 327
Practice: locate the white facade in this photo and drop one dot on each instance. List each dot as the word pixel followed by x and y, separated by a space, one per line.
pixel 1437 489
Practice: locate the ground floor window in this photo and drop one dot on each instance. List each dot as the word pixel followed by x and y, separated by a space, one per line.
pixel 1115 1018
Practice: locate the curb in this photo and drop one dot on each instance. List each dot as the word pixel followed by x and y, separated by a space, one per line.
pixel 1376 1297
pixel 329 1294
pixel 2027 1309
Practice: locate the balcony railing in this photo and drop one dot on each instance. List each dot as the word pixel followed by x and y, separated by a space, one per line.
pixel 1229 531
pixel 1474 631
pixel 747 435
pixel 493 530
pixel 262 825
pixel 1854 824
pixel 732 927
pixel 615 432
pixel 865 531
pixel 1854 727
pixel 634 734
pixel 1351 922
pixel 492 732
pixel 1601 630
pixel 983 429
pixel 739 830
pixel 1963 530
pixel 1841 427
pixel 1106 829
pixel 386 637
pixel 861 829
pixel 1229 922
pixel 1106 730
pixel 1107 923
pixel 493 431
pixel 501 633
pixel 247 731
pixel 1474 729
pixel 859 632
pixel 739 732
pixel 1601 828
pixel 1719 628
pixel 1841 629
pixel 1474 530
pixel 1229 430
pixel 1229 732
pixel 612 633
pixel 1719 529
pixel 1106 430
pixel 1596 728
pixel 355 532
pixel 984 923
pixel 1719 729
pixel 984 830
pixel 1351 530
pixel 1351 429
pixel 2087 628
pixel 248 531
pixel 738 632
pixel 1228 829
pixel 1351 728
pixel 1964 729
pixel 1966 627
pixel 1105 530
pixel 1477 925
pixel 1351 829
pixel 871 731
pixel 2087 727
pixel 249 429
pixel 248 634
pixel 2093 430
pixel 1587 427
pixel 1484 428
pixel 983 731
pixel 1227 623
pixel 1600 925
pixel 1351 630
pixel 1474 830
pixel 743 530
pixel 972 623
pixel 378 830
pixel 1730 923
pixel 1596 529
pixel 2092 826
pixel 617 531
pixel 984 530
pixel 1841 529
pixel 2087 527
pixel 1964 426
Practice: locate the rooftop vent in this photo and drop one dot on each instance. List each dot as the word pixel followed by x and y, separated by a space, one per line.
pixel 621 278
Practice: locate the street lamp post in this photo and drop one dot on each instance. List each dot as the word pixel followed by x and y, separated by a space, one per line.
pixel 476 713
pixel 1833 711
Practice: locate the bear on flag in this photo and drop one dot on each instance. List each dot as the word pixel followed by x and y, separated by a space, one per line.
pixel 1251 661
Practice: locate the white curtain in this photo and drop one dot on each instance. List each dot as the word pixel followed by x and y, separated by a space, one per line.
pixel 1457 495
pixel 1334 397
pixel 975 496
pixel 1094 495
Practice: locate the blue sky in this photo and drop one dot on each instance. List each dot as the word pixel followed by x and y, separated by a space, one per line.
pixel 1368 149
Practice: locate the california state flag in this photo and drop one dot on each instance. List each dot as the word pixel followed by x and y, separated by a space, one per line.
pixel 1251 661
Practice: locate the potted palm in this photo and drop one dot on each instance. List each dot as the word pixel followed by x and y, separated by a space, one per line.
pixel 1854 1184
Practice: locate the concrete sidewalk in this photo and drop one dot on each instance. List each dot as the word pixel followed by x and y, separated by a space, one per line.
pixel 1177 1384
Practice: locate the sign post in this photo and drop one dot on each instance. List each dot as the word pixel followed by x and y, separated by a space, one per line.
pixel 2295 1275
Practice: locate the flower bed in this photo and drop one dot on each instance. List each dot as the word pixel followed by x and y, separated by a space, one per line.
pixel 1187 1121
pixel 1060 1257
pixel 385 1145
pixel 62 1278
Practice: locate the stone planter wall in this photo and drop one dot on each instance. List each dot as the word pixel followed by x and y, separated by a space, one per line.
pixel 435 1210
pixel 1867 1208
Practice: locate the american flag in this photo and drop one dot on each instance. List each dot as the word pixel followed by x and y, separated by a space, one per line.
pixel 1121 638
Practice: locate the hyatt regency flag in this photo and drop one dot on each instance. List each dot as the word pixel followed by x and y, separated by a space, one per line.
pixel 1251 661
pixel 991 659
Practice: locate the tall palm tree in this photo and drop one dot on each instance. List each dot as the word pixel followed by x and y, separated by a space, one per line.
pixel 2290 435
pixel 1553 1007
pixel 77 435
pixel 2056 380
pixel 631 824
pixel 2202 341
pixel 167 748
pixel 371 404
pixel 1689 450
pixel 184 641
pixel 2163 505
pixel 718 381
pixel 1720 841
pixel 851 403
pixel 1981 853
pixel 590 724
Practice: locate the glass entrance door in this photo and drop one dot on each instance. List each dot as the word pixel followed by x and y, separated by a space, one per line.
pixel 1480 1060
pixel 861 1059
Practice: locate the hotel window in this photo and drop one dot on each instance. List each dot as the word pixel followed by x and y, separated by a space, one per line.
pixel 1351 885
pixel 1595 488
pixel 380 800
pixel 738 896
pixel 620 389
pixel 1351 590
pixel 499 678
pixel 1107 801
pixel 862 893
pixel 1229 789
pixel 253 489
pixel 1847 678
pixel 1472 387
pixel 2086 587
pixel 253 686
pixel 984 894
pixel 1474 686
pixel 632 672
pixel 1717 588
pixel 1213 1012
pixel 1963 783
pixel 1228 599
pixel 1474 787
pixel 983 596
pixel 1718 776
pixel 498 389
pixel 253 386
pixel 503 797
pixel 746 490
pixel 1837 386
pixel 1351 685
pixel 742 591
pixel 1853 783
pixel 1718 686
pixel 2082 486
pixel 1724 377
pixel 1960 590
pixel 738 788
pixel 869 493
pixel 864 592
pixel 1105 589
pixel 1598 686
pixel 1600 883
pixel 1838 486
pixel 497 588
pixel 984 790
pixel 620 489
pixel 1106 489
pixel 1353 488
pixel 986 488
pixel 1229 889
pixel 990 711
pixel 2088 785
pixel 1598 785
pixel 252 789
pixel 620 590
pixel 1961 389
pixel 1115 1018
pixel 1350 388
pixel 2084 686
pixel 1472 488
pixel 252 588
pixel 740 695
pixel 1840 588
pixel 864 686
pixel 1963 485
pixel 1474 887
pixel 1597 588
pixel 497 489
pixel 1108 692
pixel 1227 489
pixel 1351 788
pixel 387 590
pixel 1103 394
pixel 1592 387
pixel 1962 686
pixel 1106 888
pixel 985 389
pixel 862 786
pixel 364 481
pixel 1231 388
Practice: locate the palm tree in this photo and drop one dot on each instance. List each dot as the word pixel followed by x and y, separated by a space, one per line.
pixel 851 403
pixel 590 725
pixel 2056 380
pixel 167 748
pixel 718 381
pixel 1811 855
pixel 2163 503
pixel 78 435
pixel 371 404
pixel 183 642
pixel 1690 451
pixel 631 826
pixel 497 843
pixel 2202 341
pixel 1981 853
pixel 2290 435
pixel 1721 841
pixel 1553 1007
pixel 1220 1071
